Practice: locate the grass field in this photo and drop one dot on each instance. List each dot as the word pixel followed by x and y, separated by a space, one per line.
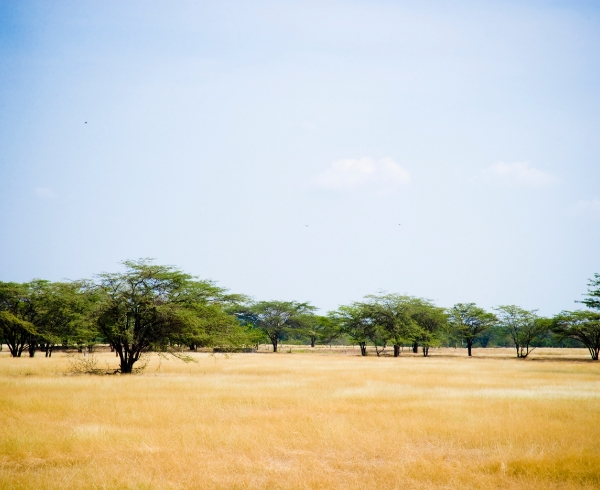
pixel 305 420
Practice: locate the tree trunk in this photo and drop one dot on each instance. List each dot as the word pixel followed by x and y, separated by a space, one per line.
pixel 126 367
pixel 312 340
pixel 396 351
pixel 127 358
pixel 15 349
pixel 32 349
pixel 127 363
pixel 363 348
pixel 469 346
pixel 425 351
pixel 274 342
pixel 415 348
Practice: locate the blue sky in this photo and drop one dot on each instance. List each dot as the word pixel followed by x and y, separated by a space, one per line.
pixel 448 150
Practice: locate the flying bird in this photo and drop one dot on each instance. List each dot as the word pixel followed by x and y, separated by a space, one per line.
pixel 86 122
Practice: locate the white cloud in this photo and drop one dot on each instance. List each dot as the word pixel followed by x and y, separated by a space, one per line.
pixel 517 174
pixel 590 208
pixel 45 192
pixel 385 175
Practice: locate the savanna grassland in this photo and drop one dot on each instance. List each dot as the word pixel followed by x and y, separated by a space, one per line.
pixel 305 420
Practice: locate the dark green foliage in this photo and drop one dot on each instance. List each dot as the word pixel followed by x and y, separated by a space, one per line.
pixel 583 325
pixel 431 321
pixel 276 318
pixel 524 327
pixel 593 296
pixel 467 322
pixel 391 319
pixel 151 307
pixel 320 329
pixel 353 321
pixel 15 330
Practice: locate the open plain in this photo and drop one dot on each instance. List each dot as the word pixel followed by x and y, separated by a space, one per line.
pixel 326 419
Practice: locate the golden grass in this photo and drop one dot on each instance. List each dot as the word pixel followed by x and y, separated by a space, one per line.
pixel 298 420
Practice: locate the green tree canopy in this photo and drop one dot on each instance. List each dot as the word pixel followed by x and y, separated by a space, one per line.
pixel 524 327
pixel 392 319
pixel 320 329
pixel 150 307
pixel 16 328
pixel 467 322
pixel 274 318
pixel 593 295
pixel 354 322
pixel 581 325
pixel 431 321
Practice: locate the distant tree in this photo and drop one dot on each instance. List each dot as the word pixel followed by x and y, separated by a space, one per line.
pixel 431 321
pixel 274 318
pixel 15 332
pixel 581 325
pixel 320 329
pixel 215 324
pixel 354 321
pixel 391 319
pixel 378 336
pixel 148 307
pixel 16 329
pixel 523 326
pixel 63 315
pixel 467 322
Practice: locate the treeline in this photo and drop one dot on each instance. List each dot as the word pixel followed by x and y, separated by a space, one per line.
pixel 150 307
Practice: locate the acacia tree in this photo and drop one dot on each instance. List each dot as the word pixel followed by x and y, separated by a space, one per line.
pixel 320 329
pixel 430 321
pixel 214 323
pixel 524 327
pixel 392 315
pixel 467 322
pixel 16 329
pixel 63 315
pixel 354 321
pixel 580 325
pixel 147 307
pixel 274 318
pixel 583 325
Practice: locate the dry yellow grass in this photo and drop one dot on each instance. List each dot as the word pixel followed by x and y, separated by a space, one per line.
pixel 305 421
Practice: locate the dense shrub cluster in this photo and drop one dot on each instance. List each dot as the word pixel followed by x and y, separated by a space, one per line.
pixel 150 307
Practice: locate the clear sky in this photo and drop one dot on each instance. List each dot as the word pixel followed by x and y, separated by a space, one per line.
pixel 315 151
